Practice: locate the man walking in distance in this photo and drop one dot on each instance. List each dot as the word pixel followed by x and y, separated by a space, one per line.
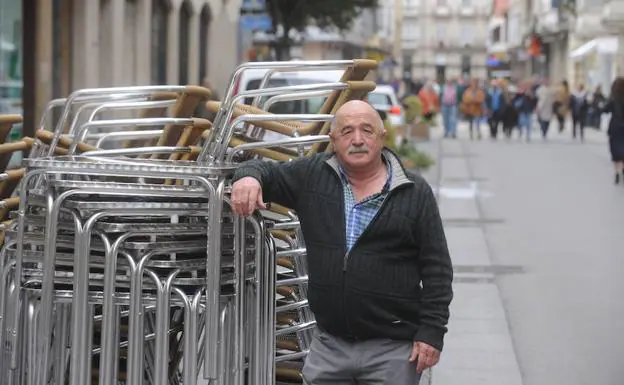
pixel 380 273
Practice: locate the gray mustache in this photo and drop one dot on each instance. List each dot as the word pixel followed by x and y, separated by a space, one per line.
pixel 358 150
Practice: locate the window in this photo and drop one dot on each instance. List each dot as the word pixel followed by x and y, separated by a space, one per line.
pixel 411 3
pixel 204 40
pixel 307 106
pixel 442 3
pixel 466 3
pixel 465 65
pixel 160 26
pixel 496 35
pixel 379 99
pixel 441 32
pixel 467 35
pixel 183 42
pixel 411 30
pixel 62 39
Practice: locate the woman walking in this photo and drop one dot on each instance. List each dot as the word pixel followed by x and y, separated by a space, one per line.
pixel 472 107
pixel 524 103
pixel 562 104
pixel 615 106
pixel 545 107
pixel 597 102
pixel 580 107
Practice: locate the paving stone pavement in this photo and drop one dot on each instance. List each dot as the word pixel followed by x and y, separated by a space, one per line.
pixel 478 347
pixel 540 226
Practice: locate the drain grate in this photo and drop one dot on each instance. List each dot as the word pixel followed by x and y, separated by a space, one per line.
pixel 489 269
pixel 463 179
pixel 468 279
pixel 458 155
pixel 471 222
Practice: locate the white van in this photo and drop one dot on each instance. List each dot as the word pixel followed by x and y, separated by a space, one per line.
pixel 382 98
pixel 251 79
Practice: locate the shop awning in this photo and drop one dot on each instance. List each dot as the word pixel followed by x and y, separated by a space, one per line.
pixel 606 45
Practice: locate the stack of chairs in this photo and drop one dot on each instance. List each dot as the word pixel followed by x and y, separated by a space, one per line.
pixel 294 320
pixel 122 261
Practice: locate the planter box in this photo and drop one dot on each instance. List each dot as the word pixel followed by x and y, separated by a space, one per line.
pixel 420 130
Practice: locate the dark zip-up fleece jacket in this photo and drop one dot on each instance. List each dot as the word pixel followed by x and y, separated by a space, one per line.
pixel 395 282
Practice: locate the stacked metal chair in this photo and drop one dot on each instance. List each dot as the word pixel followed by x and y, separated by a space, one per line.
pixel 122 262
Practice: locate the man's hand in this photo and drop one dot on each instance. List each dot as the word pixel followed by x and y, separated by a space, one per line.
pixel 247 196
pixel 425 355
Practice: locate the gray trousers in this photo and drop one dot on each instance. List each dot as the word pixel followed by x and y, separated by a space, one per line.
pixel 334 361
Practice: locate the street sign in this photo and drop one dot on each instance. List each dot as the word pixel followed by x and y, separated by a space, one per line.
pixel 260 22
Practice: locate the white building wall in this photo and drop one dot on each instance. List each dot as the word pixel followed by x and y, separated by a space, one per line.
pixel 440 32
pixel 112 42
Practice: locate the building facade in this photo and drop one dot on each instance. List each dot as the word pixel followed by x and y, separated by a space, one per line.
pixel 101 43
pixel 597 45
pixel 579 41
pixel 315 43
pixel 444 38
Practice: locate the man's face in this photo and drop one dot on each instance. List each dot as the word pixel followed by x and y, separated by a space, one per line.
pixel 358 137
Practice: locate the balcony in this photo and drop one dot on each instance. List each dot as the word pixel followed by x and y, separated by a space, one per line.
pixel 410 44
pixel 412 11
pixel 467 11
pixel 456 46
pixel 589 25
pixel 442 11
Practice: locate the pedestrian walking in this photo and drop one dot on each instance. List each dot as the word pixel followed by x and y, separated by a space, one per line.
pixel 615 106
pixel 472 107
pixel 524 102
pixel 545 107
pixel 562 104
pixel 449 100
pixel 579 109
pixel 507 112
pixel 596 104
pixel 495 102
pixel 380 273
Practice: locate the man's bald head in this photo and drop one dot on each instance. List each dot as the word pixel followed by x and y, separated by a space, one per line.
pixel 358 136
pixel 361 108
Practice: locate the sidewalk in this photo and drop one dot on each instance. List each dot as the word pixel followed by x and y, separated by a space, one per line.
pixel 478 347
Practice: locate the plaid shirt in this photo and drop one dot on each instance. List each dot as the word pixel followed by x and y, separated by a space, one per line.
pixel 358 215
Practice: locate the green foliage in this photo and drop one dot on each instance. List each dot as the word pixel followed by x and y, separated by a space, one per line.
pixel 414 158
pixel 413 108
pixel 296 14
pixel 390 135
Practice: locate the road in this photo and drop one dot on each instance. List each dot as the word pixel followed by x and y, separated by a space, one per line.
pixel 536 232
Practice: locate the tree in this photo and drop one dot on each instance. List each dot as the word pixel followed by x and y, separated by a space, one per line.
pixel 296 14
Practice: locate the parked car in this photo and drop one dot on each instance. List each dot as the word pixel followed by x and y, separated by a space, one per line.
pixel 252 78
pixel 383 98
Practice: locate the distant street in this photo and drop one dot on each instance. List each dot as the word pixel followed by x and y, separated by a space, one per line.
pixel 536 232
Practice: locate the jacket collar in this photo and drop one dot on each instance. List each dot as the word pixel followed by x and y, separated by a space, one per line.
pixel 399 177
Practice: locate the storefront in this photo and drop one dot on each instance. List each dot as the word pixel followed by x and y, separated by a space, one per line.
pixel 498 65
pixel 594 62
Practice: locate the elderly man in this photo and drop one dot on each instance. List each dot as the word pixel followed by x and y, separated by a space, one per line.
pixel 379 268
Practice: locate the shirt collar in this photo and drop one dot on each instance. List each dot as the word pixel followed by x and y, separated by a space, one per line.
pixel 386 187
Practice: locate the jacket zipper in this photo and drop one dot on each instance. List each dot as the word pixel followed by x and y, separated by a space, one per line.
pixel 346 257
pixel 346 261
pixel 347 252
